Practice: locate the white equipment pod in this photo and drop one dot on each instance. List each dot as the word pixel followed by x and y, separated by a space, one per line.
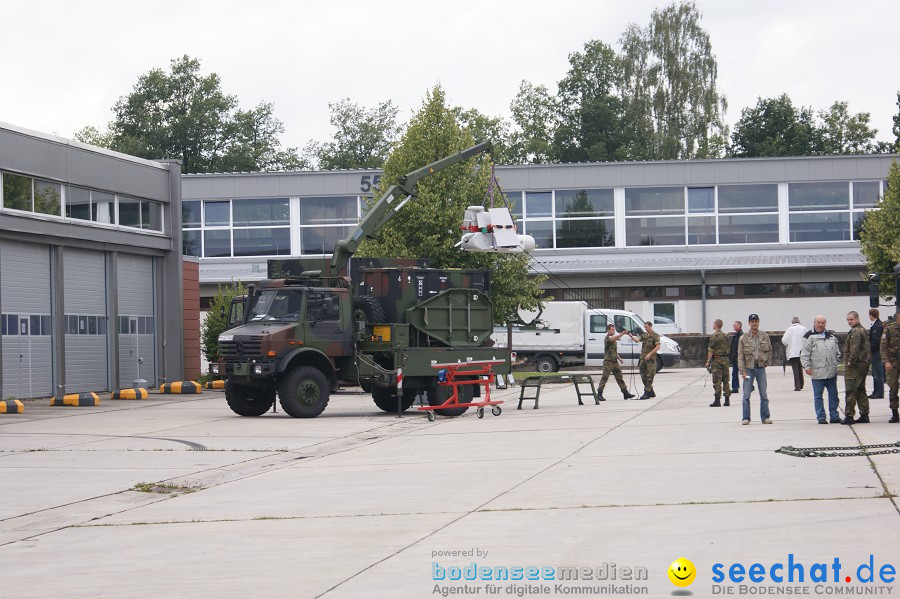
pixel 492 230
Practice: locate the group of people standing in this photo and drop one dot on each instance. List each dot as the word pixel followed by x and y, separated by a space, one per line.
pixel 817 353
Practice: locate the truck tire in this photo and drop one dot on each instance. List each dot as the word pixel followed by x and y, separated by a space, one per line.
pixel 439 394
pixel 386 399
pixel 304 392
pixel 369 309
pixel 659 363
pixel 546 363
pixel 248 401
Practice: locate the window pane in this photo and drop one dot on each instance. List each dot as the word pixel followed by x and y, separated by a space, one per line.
pixel 35 324
pixel 46 325
pixel 101 325
pixel 92 325
pixel 47 197
pixel 865 194
pixel 819 196
pixel 129 212
pixel 151 216
pixel 78 203
pixel 858 218
pixel 261 213
pixel 585 233
pixel 190 243
pixel 538 204
pixel 598 323
pixel 701 230
pixel 190 214
pixel 82 325
pixel 515 200
pixel 654 200
pixel 827 226
pixel 786 288
pixel 748 198
pixel 216 243
pixel 748 229
pixel 816 289
pixel 760 288
pixel 663 313
pixel 700 200
pixel 262 242
pixel 16 192
pixel 654 231
pixel 103 207
pixel 321 240
pixel 217 214
pixel 328 211
pixel 542 231
pixel 584 202
pixel 71 325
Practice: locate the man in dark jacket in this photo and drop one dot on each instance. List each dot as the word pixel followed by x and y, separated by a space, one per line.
pixel 875 332
pixel 733 356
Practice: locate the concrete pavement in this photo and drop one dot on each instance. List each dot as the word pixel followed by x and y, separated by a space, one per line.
pixel 359 503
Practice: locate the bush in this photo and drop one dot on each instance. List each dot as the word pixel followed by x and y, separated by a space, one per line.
pixel 217 319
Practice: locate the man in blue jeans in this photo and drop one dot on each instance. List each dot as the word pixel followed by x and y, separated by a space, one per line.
pixel 820 356
pixel 754 354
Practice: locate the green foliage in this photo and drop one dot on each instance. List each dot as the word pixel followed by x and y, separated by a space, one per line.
pixel 775 127
pixel 896 128
pixel 672 100
pixel 535 114
pixel 185 115
pixel 879 236
pixel 217 319
pixel 483 128
pixel 363 138
pixel 428 226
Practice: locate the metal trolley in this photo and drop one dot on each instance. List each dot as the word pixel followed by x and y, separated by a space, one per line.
pixel 483 373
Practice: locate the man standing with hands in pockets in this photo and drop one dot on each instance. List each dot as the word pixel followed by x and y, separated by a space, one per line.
pixel 754 354
pixel 820 357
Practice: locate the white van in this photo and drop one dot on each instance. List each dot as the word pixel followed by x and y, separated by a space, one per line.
pixel 571 334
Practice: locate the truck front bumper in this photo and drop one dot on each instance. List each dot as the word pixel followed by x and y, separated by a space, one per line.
pixel 248 369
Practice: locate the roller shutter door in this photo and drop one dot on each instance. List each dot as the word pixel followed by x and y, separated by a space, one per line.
pixel 86 323
pixel 26 319
pixel 137 319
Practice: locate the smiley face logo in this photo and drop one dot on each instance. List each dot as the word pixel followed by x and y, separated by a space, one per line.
pixel 682 572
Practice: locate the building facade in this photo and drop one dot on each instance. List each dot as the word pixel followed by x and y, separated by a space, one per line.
pixel 681 242
pixel 90 267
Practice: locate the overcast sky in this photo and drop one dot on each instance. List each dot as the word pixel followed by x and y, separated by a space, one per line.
pixel 65 63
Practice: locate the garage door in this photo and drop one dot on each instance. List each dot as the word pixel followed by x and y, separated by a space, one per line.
pixel 137 320
pixel 86 321
pixel 25 301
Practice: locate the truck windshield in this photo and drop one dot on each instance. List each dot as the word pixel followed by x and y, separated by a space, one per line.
pixel 276 304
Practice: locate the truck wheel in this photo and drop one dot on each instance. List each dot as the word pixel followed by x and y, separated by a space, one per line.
pixel 439 394
pixel 248 401
pixel 659 363
pixel 386 399
pixel 304 392
pixel 546 364
pixel 369 309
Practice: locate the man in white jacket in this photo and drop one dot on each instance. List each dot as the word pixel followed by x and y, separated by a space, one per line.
pixel 793 343
pixel 820 356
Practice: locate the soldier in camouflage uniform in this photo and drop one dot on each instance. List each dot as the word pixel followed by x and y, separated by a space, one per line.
pixel 611 362
pixel 890 355
pixel 857 354
pixel 650 344
pixel 717 362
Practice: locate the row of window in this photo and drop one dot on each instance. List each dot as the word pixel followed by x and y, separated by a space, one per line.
pixel 599 295
pixel 76 324
pixel 28 194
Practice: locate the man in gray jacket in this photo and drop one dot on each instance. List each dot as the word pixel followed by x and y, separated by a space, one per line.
pixel 820 357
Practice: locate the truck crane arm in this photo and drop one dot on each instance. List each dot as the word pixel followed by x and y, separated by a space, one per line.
pixel 392 201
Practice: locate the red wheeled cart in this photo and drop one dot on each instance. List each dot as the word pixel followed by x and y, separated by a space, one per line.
pixel 473 368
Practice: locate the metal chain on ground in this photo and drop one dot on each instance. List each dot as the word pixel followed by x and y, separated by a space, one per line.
pixel 829 452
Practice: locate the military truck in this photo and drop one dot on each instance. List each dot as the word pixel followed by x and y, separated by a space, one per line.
pixel 314 326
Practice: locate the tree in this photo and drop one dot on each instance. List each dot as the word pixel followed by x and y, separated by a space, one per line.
pixel 534 112
pixel 217 319
pixel 591 110
pixel 896 128
pixel 879 235
pixel 775 127
pixel 671 95
pixel 183 114
pixel 843 133
pixel 429 224
pixel 363 138
pixel 488 128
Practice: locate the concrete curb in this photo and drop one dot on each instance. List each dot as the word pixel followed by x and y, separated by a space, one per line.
pixel 138 393
pixel 12 406
pixel 219 384
pixel 181 387
pixel 78 400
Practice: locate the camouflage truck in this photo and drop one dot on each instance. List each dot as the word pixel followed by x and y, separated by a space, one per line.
pixel 313 327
